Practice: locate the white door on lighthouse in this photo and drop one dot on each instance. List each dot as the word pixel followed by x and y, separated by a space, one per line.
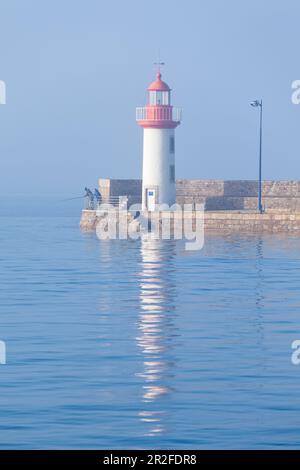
pixel 151 199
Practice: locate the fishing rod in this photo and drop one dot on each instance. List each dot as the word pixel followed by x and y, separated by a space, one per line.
pixel 72 198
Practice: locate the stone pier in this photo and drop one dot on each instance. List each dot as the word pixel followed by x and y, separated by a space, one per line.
pixel 225 221
pixel 230 206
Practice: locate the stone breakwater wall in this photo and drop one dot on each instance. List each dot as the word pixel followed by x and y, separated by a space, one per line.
pixel 216 195
pixel 230 206
pixel 269 222
pixel 224 222
pixel 240 195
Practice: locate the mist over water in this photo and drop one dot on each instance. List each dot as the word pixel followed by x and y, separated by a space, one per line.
pixel 40 205
pixel 141 344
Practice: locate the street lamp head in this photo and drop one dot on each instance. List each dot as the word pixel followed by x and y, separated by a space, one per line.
pixel 256 103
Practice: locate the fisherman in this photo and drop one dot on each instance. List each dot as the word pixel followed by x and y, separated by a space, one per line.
pixel 90 198
pixel 98 196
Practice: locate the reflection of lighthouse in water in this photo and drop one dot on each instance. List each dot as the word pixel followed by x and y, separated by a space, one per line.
pixel 156 330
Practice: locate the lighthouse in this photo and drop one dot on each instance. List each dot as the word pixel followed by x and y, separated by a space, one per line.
pixel 159 120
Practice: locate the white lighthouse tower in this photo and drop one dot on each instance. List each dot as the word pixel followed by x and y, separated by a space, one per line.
pixel 159 120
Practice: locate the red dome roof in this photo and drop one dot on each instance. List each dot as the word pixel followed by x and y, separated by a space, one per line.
pixel 158 85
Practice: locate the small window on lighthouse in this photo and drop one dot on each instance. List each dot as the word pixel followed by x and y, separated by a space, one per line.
pixel 152 97
pixel 172 173
pixel 165 97
pixel 159 97
pixel 172 144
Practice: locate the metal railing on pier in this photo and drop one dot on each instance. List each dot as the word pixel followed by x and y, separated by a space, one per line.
pixel 119 202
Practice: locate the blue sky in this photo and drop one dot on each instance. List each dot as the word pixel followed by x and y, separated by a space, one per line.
pixel 76 70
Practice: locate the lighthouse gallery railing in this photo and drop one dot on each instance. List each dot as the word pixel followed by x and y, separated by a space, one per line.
pixel 158 114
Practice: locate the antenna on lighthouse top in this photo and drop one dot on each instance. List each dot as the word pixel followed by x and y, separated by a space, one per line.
pixel 159 64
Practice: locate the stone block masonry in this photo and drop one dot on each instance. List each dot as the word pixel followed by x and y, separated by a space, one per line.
pixel 269 222
pixel 239 195
pixel 111 188
pixel 216 195
pixel 226 221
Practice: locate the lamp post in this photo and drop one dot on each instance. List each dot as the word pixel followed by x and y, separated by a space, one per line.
pixel 259 104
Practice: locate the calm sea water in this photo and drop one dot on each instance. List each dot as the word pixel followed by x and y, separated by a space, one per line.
pixel 131 344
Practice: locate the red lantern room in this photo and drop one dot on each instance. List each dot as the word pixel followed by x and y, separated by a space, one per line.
pixel 158 113
pixel 159 92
